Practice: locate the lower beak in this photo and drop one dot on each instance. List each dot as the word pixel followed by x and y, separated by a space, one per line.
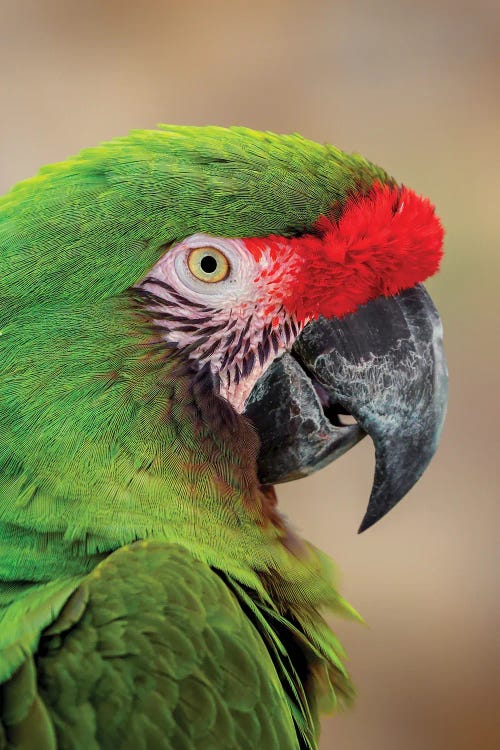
pixel 384 365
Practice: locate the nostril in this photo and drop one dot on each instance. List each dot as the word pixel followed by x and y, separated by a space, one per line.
pixel 337 416
pixel 321 392
pixel 333 411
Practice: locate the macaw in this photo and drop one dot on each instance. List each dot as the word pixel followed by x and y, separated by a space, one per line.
pixel 187 314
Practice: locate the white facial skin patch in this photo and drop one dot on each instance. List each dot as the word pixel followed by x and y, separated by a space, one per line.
pixel 238 323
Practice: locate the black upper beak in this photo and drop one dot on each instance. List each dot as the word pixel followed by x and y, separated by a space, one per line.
pixel 385 366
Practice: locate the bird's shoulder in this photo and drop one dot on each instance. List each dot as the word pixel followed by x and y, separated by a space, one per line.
pixel 152 650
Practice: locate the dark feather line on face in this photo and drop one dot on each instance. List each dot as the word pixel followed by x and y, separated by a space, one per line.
pixel 260 352
pixel 229 340
pixel 211 349
pixel 145 294
pixel 186 350
pixel 188 328
pixel 249 321
pixel 206 319
pixel 190 303
pixel 267 331
pixel 234 352
pixel 266 348
pixel 180 319
pixel 187 302
pixel 173 292
pixel 164 316
pixel 195 345
pixel 275 341
pixel 244 368
pixel 157 282
pixel 225 358
pixel 248 364
pixel 240 340
pixel 213 329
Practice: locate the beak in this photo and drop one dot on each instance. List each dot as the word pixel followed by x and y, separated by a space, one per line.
pixel 385 366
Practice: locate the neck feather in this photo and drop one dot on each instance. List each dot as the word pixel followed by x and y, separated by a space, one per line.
pixel 109 438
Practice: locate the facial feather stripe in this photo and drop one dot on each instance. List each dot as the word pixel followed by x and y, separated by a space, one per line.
pixel 237 349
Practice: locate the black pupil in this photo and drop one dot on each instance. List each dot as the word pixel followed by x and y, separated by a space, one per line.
pixel 208 263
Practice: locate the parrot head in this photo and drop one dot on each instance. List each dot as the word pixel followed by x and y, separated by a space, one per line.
pixel 171 296
pixel 299 330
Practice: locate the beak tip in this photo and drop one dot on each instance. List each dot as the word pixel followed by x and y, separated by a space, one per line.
pixel 364 525
pixel 368 521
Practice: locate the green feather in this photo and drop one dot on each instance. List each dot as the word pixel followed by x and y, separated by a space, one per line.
pixel 101 444
pixel 159 683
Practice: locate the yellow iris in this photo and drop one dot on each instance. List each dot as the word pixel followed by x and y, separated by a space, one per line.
pixel 208 264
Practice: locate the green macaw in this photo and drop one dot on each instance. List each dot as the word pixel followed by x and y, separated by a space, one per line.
pixel 186 314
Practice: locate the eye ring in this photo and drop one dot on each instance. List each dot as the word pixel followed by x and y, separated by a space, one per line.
pixel 208 264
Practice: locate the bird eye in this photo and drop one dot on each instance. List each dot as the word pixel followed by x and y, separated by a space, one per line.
pixel 208 264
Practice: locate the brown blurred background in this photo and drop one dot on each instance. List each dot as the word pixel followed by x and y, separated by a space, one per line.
pixel 413 86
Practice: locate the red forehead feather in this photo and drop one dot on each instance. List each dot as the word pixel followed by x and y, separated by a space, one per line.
pixel 384 242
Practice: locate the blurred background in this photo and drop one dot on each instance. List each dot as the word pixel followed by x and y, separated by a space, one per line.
pixel 413 86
